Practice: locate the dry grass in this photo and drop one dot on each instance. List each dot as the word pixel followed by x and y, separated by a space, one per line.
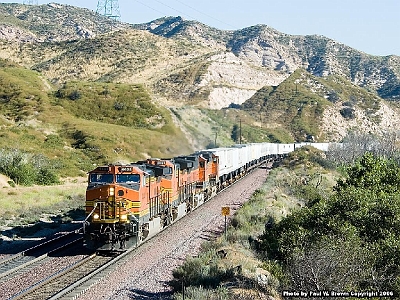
pixel 23 205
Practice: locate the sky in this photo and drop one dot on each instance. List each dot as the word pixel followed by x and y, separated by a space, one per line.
pixel 371 26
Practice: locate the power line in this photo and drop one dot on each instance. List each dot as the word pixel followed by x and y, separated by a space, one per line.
pixel 149 6
pixel 183 13
pixel 30 2
pixel 207 15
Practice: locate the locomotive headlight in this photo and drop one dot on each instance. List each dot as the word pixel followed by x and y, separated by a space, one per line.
pixel 96 216
pixel 124 217
pixel 111 191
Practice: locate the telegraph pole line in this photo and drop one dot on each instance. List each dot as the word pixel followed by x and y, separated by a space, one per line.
pixel 240 131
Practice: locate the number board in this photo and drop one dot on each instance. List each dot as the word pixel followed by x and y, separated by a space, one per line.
pixel 125 169
pixel 103 169
pixel 226 210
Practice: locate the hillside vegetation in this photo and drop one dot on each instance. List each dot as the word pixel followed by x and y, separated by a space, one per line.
pixel 292 87
pixel 312 227
pixel 81 124
pixel 298 105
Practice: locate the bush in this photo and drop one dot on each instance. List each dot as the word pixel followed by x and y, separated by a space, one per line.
pixel 200 271
pixel 348 113
pixel 359 222
pixel 23 174
pixel 200 293
pixel 26 169
pixel 75 95
pixel 330 264
pixel 46 177
pixel 53 141
pixel 333 96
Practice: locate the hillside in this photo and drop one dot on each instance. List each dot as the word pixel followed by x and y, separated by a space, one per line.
pixel 100 91
pixel 78 90
pixel 51 23
pixel 262 50
pixel 223 66
pixel 82 124
pixel 314 108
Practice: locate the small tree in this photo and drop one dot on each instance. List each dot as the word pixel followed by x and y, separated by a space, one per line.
pixel 235 133
pixel 75 95
pixel 333 264
pixel 363 214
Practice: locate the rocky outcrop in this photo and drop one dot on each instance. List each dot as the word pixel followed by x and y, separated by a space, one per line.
pixel 232 80
pixel 235 64
pixel 13 33
pixel 264 48
pixel 53 22
pixel 335 127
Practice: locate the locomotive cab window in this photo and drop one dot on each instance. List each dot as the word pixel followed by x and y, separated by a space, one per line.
pixel 101 178
pixel 128 178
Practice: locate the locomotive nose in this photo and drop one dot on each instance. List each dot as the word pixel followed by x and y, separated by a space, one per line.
pixel 101 193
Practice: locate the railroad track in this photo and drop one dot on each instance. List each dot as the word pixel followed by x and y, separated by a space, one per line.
pixel 57 282
pixel 36 253
pixel 85 283
pixel 22 269
pixel 73 280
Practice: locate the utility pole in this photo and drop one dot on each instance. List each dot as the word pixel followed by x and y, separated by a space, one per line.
pixel 216 129
pixel 109 8
pixel 240 131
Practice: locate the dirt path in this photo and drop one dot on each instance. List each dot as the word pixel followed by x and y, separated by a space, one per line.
pixel 4 180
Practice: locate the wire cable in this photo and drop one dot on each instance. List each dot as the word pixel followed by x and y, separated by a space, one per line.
pixel 183 13
pixel 149 7
pixel 207 15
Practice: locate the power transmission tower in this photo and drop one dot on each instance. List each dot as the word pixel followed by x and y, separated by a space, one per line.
pixel 109 8
pixel 30 2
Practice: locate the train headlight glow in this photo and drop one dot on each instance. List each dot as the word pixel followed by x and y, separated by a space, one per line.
pixel 96 216
pixel 124 217
pixel 111 191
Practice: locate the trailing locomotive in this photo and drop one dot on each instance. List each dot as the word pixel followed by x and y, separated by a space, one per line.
pixel 126 204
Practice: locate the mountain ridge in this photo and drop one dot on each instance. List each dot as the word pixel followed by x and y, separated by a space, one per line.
pixel 190 68
pixel 259 46
pixel 265 47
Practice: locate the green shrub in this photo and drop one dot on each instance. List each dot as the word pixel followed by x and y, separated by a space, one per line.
pixel 203 270
pixel 201 293
pixel 75 95
pixel 53 141
pixel 46 177
pixel 360 221
pixel 348 113
pixel 27 169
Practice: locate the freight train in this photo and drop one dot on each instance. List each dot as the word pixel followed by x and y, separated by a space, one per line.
pixel 128 203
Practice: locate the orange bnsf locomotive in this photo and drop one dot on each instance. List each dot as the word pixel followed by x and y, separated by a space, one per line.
pixel 125 204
